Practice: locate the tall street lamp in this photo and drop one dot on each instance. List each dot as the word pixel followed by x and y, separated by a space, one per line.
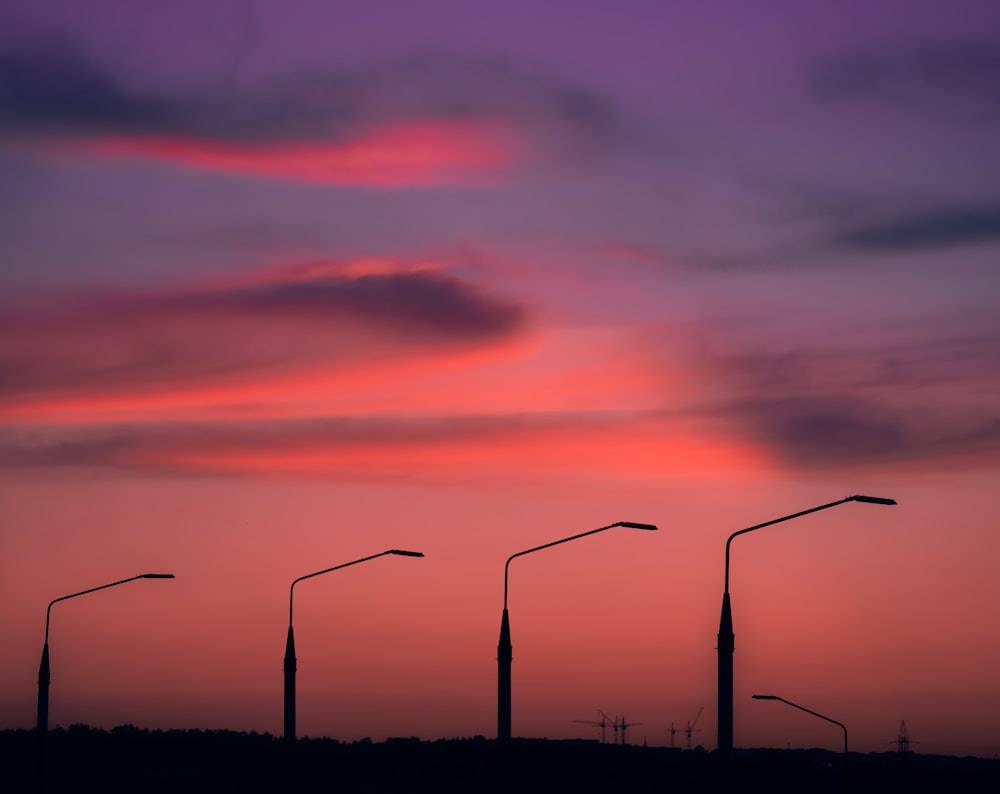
pixel 727 639
pixel 43 669
pixel 808 711
pixel 504 649
pixel 290 664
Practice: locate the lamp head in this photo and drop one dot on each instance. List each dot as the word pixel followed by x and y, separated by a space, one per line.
pixel 636 525
pixel 765 697
pixel 872 500
pixel 402 553
pixel 157 576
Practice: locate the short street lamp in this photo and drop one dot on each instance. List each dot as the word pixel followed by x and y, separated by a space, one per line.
pixel 808 711
pixel 43 669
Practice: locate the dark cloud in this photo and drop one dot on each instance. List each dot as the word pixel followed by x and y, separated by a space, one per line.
pixel 842 429
pixel 56 91
pixel 823 429
pixel 51 88
pixel 106 341
pixel 422 302
pixel 914 403
pixel 954 78
pixel 943 227
pixel 963 359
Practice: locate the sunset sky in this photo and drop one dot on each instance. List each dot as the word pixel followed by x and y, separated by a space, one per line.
pixel 287 284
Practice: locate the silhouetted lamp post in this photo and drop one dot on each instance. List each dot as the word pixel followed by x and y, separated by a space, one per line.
pixel 504 649
pixel 290 665
pixel 43 669
pixel 726 637
pixel 808 711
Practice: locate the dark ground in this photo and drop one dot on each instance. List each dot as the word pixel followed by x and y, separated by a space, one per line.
pixel 133 759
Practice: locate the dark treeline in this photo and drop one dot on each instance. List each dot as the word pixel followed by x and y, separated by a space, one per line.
pixel 133 759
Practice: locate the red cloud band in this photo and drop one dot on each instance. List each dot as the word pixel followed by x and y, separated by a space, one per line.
pixel 420 153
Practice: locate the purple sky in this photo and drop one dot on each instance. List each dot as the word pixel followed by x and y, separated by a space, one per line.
pixel 764 234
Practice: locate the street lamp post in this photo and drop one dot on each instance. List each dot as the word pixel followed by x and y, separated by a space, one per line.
pixel 43 669
pixel 290 663
pixel 727 639
pixel 504 648
pixel 808 711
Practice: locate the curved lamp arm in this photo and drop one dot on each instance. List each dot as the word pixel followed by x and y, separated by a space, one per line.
pixel 629 524
pixel 874 500
pixel 808 711
pixel 291 590
pixel 48 612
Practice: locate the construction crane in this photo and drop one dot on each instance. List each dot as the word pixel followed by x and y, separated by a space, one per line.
pixel 673 732
pixel 625 726
pixel 690 727
pixel 603 725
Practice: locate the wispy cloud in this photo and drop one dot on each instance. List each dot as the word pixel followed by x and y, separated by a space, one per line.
pixel 941 227
pixel 948 79
pixel 298 318
pixel 429 448
pixel 418 120
pixel 906 404
pixel 836 430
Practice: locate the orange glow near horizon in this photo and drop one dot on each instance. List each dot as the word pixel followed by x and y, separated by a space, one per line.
pixel 407 153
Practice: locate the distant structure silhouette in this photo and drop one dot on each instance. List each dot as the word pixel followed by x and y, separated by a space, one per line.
pixel 625 726
pixel 903 739
pixel 690 727
pixel 602 724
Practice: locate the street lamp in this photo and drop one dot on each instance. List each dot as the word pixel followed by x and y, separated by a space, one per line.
pixel 808 711
pixel 43 669
pixel 727 638
pixel 504 649
pixel 290 665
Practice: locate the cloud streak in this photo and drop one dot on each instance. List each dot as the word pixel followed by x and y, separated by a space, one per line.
pixel 418 120
pixel 912 404
pixel 957 79
pixel 444 448
pixel 952 80
pixel 942 227
pixel 834 430
pixel 113 341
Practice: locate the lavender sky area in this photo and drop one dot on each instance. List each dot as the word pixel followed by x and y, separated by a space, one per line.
pixel 382 255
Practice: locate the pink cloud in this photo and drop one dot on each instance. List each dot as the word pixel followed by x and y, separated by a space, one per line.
pixel 117 345
pixel 414 153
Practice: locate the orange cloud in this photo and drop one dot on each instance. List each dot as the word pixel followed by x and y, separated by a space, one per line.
pixel 413 153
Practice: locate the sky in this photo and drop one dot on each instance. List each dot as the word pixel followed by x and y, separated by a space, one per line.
pixel 284 285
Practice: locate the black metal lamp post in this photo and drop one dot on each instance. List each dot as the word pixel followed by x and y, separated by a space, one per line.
pixel 43 669
pixel 504 648
pixel 727 638
pixel 290 662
